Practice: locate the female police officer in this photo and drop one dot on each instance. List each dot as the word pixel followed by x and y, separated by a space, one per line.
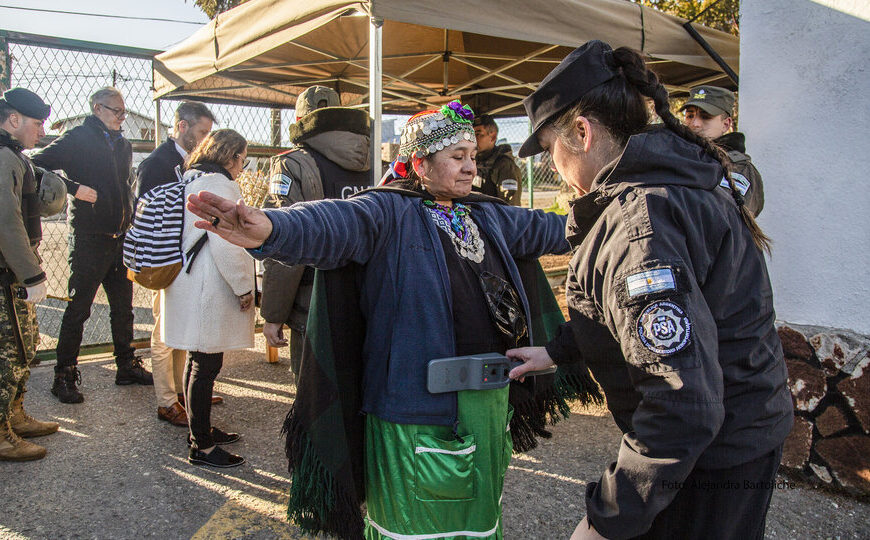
pixel 670 306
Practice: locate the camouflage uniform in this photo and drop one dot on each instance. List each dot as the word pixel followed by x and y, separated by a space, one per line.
pixel 14 370
pixel 20 234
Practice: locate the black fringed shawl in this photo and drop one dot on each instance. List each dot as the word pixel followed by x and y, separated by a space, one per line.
pixel 326 461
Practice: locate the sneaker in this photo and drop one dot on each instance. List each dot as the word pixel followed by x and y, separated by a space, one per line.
pixel 65 382
pixel 219 437
pixel 218 457
pixel 132 372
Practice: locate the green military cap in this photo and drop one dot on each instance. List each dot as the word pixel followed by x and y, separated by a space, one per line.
pixel 315 97
pixel 711 99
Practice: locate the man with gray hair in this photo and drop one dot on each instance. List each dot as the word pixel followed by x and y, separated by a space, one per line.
pixel 96 155
pixel 193 121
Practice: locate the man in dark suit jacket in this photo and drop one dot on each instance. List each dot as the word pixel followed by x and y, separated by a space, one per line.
pixel 193 121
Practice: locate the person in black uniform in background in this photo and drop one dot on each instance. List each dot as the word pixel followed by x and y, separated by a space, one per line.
pixel 497 172
pixel 670 306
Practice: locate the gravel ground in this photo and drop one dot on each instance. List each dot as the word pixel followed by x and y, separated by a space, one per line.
pixel 115 471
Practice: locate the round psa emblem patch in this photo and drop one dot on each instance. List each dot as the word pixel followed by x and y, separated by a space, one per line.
pixel 664 328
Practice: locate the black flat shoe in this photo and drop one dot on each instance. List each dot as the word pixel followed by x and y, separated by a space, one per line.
pixel 220 437
pixel 216 458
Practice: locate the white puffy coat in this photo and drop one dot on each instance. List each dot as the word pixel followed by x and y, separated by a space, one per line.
pixel 200 310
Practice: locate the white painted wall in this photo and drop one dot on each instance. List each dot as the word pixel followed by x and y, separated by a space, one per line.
pixel 805 109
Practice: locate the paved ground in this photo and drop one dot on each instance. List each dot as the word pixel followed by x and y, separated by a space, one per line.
pixel 115 471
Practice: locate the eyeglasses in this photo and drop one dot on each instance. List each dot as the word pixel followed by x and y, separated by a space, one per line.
pixel 119 113
pixel 247 162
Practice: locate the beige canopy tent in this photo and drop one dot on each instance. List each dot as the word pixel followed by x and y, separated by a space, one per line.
pixel 488 53
pixel 491 53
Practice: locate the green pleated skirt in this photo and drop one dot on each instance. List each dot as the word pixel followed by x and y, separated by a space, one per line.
pixel 425 481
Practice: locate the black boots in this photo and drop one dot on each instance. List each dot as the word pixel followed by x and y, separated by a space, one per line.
pixel 130 371
pixel 65 381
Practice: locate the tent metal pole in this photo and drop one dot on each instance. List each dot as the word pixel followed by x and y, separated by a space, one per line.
pixel 376 67
pixel 530 173
pixel 446 65
pixel 712 52
pixel 156 123
pixel 489 73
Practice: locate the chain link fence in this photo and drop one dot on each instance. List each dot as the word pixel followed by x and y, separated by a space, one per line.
pixel 541 184
pixel 66 72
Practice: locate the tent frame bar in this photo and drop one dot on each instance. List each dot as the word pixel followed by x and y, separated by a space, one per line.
pixel 505 67
pixel 335 60
pixel 376 67
pixel 711 51
pixel 486 70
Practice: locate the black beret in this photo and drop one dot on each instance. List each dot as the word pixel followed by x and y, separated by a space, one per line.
pixel 26 102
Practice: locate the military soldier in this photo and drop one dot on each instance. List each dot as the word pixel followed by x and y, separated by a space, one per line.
pixel 497 171
pixel 25 193
pixel 708 114
pixel 331 160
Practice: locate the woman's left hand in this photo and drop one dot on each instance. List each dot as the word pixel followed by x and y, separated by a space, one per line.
pixel 585 531
pixel 235 222
pixel 246 301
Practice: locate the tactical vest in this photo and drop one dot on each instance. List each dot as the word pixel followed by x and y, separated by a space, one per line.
pixel 29 194
pixel 339 183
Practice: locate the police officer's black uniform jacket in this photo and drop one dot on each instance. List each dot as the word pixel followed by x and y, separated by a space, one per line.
pixel 746 176
pixel 671 308
pixel 94 156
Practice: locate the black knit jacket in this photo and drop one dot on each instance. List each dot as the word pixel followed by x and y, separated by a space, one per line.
pixel 94 156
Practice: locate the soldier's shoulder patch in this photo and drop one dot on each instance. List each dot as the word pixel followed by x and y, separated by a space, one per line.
pixel 664 328
pixel 509 184
pixel 740 182
pixel 279 184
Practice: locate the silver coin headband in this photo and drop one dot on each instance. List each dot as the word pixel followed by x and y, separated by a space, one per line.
pixel 427 133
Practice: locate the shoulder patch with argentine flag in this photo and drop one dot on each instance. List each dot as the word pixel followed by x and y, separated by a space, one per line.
pixel 279 184
pixel 740 182
pixel 650 281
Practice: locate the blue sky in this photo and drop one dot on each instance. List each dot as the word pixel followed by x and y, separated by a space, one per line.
pixel 134 33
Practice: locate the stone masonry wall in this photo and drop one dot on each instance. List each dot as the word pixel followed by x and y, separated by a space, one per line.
pixel 829 379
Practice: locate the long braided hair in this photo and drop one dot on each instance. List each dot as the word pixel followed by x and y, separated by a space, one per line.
pixel 620 108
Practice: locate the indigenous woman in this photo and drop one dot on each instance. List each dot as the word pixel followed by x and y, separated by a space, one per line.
pixel 437 279
pixel 670 306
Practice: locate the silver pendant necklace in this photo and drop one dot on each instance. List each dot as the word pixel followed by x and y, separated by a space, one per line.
pixel 461 229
